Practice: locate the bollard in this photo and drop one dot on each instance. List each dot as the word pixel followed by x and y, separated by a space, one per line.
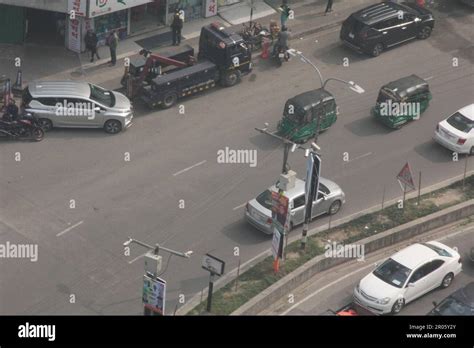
pixel 265 48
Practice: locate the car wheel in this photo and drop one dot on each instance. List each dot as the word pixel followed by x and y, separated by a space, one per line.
pixel 378 48
pixel 398 305
pixel 334 208
pixel 170 99
pixel 112 126
pixel 447 280
pixel 424 33
pixel 46 124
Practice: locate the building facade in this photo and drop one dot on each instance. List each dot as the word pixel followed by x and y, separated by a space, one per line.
pixel 53 22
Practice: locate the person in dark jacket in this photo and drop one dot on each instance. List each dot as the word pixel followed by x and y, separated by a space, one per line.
pixel 328 7
pixel 91 43
pixel 112 42
pixel 176 27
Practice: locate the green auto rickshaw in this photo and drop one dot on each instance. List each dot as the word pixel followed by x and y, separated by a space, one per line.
pixel 301 113
pixel 402 100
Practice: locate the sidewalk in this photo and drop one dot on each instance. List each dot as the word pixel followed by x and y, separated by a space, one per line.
pixel 49 63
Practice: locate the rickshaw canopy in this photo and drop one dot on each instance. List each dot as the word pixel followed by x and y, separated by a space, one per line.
pixel 407 86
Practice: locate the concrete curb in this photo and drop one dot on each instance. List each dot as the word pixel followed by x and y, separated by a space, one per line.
pixel 321 263
pixel 228 277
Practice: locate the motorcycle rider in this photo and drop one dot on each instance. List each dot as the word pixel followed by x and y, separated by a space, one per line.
pixel 282 41
pixel 11 111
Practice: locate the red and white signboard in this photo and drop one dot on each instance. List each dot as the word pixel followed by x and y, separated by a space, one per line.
pixel 405 177
pixel 211 8
pixel 78 6
pixel 101 7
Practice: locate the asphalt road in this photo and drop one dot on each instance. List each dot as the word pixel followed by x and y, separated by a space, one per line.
pixel 332 290
pixel 173 157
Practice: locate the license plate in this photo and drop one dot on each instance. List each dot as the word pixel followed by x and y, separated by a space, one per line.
pixel 281 55
pixel 351 35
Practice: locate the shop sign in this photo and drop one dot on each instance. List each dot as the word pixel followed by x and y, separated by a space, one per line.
pixel 211 8
pixel 101 7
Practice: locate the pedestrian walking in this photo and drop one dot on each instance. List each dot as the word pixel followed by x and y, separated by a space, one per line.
pixel 112 42
pixel 328 7
pixel 177 26
pixel 91 44
pixel 284 13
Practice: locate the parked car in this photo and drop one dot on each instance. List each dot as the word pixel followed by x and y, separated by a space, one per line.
pixel 330 199
pixel 77 104
pixel 407 275
pixel 380 26
pixel 457 131
pixel 460 302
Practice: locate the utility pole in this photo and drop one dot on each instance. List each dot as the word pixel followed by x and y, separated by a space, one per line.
pixel 153 263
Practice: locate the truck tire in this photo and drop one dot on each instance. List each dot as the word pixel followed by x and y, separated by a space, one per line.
pixel 231 78
pixel 170 99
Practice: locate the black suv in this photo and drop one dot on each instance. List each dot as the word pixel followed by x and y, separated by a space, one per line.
pixel 377 27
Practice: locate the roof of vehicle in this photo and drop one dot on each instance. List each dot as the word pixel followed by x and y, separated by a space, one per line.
pixel 468 111
pixel 299 187
pixel 379 12
pixel 64 88
pixel 222 33
pixel 414 255
pixel 407 85
pixel 465 295
pixel 310 99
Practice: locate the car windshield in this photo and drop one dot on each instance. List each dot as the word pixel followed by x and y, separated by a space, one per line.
pixel 102 96
pixel 385 95
pixel 392 273
pixel 265 199
pixel 452 306
pixel 461 122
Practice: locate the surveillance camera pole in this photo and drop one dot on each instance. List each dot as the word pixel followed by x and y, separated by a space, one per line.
pixel 156 249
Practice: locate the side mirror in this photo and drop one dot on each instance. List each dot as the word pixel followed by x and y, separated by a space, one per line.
pixel 435 304
pixel 410 285
pixel 97 109
pixel 417 19
pixel 292 213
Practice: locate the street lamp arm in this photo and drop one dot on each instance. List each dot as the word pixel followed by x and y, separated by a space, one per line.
pixel 306 60
pixel 351 84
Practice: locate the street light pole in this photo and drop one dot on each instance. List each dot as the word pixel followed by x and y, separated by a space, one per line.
pixel 156 249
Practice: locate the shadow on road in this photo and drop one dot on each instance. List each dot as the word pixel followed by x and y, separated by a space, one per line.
pixel 367 126
pixel 243 233
pixel 434 152
pixel 265 142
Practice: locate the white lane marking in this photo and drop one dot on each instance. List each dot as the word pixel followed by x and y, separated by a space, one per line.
pixel 69 228
pixel 325 287
pixel 240 206
pixel 189 168
pixel 136 258
pixel 361 156
pixel 429 78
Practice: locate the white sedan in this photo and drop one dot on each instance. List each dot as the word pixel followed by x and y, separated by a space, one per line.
pixel 407 275
pixel 457 131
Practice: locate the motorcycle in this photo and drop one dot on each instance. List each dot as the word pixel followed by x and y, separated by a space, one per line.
pixel 254 34
pixel 27 127
pixel 280 54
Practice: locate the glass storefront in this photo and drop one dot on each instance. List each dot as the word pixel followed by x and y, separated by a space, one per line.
pixel 192 9
pixel 148 16
pixel 106 23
